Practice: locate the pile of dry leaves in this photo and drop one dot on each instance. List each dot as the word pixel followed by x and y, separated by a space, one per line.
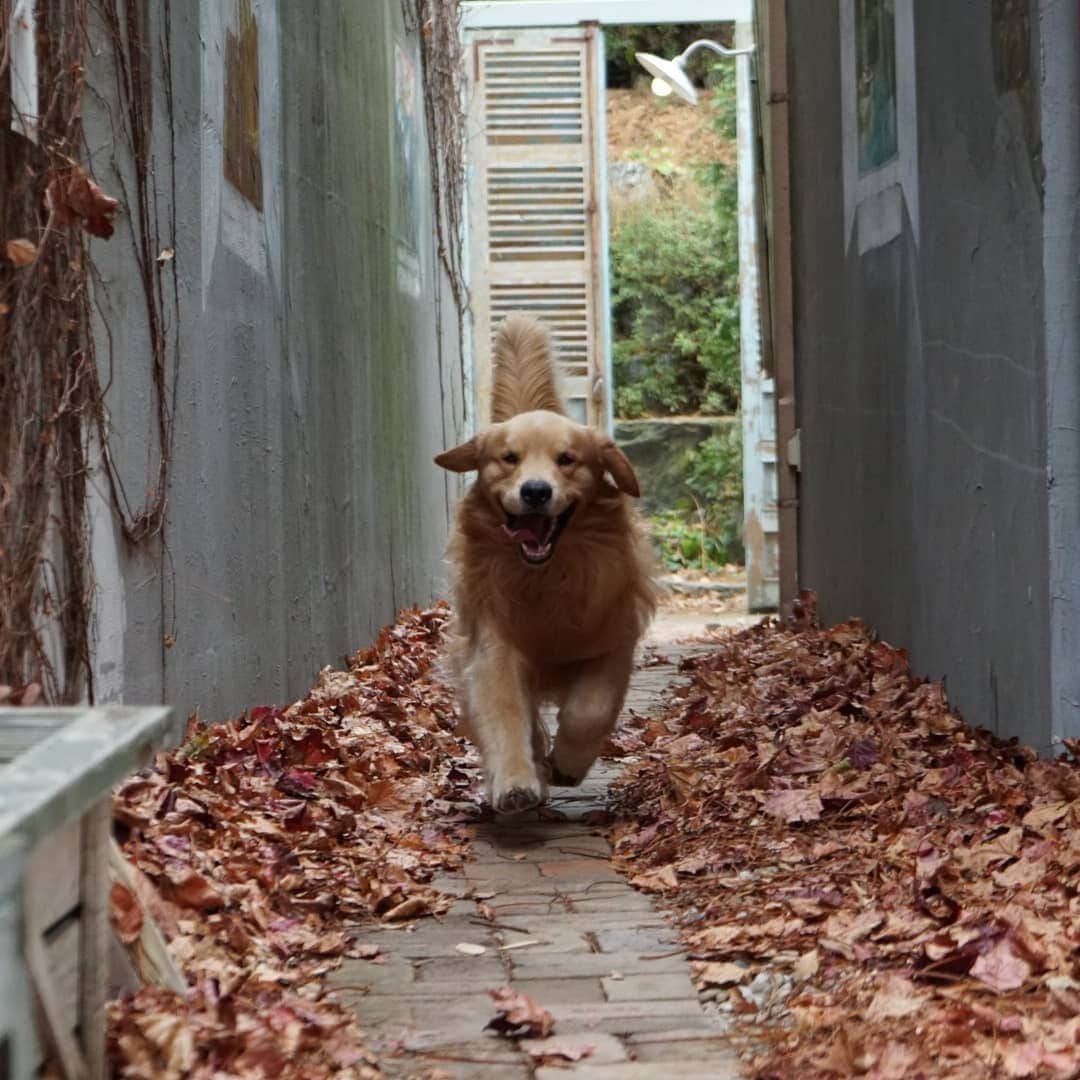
pixel 871 886
pixel 262 843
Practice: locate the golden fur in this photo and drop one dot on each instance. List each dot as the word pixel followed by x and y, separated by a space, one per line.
pixel 563 630
pixel 523 376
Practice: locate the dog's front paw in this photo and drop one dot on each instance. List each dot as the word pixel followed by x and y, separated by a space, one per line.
pixel 516 800
pixel 562 778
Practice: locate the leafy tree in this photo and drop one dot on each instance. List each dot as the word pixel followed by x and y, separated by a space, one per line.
pixel 622 42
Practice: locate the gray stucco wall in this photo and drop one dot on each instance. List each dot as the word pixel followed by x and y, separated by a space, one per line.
pixel 921 367
pixel 319 370
pixel 1060 21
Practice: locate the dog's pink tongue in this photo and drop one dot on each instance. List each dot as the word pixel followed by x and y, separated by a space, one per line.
pixel 528 529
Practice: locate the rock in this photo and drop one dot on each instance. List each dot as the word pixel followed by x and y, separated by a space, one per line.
pixel 658 449
pixel 630 181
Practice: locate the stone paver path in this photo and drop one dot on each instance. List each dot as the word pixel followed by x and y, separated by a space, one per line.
pixel 568 930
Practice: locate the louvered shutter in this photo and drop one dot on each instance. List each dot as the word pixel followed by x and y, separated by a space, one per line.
pixel 536 226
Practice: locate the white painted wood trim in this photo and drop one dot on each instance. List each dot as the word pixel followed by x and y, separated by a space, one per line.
pixel 505 14
pixel 760 495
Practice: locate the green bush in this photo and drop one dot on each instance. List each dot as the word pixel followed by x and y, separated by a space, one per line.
pixel 705 531
pixel 675 290
pixel 675 310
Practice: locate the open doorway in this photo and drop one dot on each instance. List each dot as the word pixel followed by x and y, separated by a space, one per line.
pixel 674 284
pixel 651 318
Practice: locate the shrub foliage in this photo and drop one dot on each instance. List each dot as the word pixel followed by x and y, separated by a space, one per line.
pixel 675 315
pixel 675 293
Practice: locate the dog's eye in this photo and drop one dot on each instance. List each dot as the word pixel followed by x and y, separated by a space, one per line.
pixel 565 459
pixel 510 457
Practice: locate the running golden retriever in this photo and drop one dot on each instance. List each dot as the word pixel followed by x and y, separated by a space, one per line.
pixel 551 579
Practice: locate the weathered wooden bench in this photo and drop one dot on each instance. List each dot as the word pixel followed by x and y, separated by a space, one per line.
pixel 57 770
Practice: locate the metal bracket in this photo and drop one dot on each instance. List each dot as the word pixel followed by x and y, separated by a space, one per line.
pixel 793 451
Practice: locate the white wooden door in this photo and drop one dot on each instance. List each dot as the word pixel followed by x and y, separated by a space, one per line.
pixel 537 230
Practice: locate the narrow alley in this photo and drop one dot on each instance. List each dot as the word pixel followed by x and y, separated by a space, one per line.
pixel 541 909
pixel 369 368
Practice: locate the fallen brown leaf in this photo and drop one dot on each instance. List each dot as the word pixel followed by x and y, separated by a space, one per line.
pixel 552 1054
pixel 722 973
pixel 518 1014
pixel 125 914
pixel 1001 968
pixel 264 842
pixel 21 252
pixel 794 805
pixel 916 876
pixel 73 199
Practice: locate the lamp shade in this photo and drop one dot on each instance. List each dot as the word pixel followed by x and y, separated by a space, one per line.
pixel 670 72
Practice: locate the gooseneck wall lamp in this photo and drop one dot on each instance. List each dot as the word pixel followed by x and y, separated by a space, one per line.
pixel 669 75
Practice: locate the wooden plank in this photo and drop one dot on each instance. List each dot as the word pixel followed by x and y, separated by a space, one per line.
pixel 63 952
pixel 57 1031
pixel 477 14
pixel 52 877
pixel 16 1002
pixel 20 733
pixel 94 943
pixel 597 409
pixel 149 954
pixel 535 236
pixel 773 36
pixel 66 773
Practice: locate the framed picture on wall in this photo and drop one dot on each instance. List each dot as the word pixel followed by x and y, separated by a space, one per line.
pixel 880 122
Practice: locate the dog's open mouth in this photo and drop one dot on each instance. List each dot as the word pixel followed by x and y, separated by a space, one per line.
pixel 536 533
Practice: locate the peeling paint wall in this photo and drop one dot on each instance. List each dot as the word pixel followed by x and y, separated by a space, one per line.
pixel 922 364
pixel 319 368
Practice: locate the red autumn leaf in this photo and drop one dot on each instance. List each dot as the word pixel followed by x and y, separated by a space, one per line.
pixel 313 749
pixel 264 749
pixel 297 782
pixel 125 914
pixel 518 1014
pixel 193 890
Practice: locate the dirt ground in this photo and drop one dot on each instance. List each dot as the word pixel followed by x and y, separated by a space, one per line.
pixel 685 615
pixel 639 122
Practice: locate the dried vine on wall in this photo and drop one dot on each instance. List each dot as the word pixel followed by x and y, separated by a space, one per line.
pixel 51 395
pixel 443 62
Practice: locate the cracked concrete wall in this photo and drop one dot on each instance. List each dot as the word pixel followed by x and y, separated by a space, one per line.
pixel 319 365
pixel 922 364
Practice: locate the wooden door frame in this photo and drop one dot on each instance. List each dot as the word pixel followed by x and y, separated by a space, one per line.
pixel 779 346
pixel 777 298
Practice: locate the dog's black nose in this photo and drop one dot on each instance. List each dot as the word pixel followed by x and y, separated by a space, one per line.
pixel 535 492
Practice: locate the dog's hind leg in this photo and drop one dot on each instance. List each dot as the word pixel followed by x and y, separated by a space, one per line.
pixel 503 719
pixel 588 714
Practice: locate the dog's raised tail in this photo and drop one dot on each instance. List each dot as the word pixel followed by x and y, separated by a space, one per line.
pixel 523 376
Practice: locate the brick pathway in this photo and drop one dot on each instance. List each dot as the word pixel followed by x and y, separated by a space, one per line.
pixel 568 930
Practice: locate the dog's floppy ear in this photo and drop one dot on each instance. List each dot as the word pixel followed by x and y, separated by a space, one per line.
pixel 618 465
pixel 463 458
